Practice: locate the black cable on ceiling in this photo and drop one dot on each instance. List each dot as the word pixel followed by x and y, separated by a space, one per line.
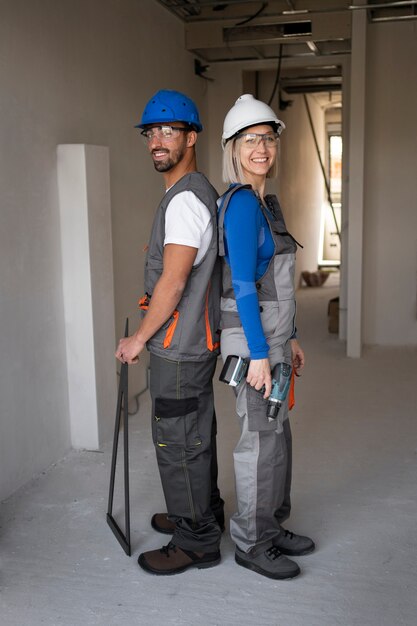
pixel 326 182
pixel 252 17
pixel 278 74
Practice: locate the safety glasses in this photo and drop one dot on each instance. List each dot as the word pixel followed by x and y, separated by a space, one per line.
pixel 252 140
pixel 166 133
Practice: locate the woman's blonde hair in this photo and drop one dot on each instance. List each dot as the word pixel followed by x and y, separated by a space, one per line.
pixel 232 166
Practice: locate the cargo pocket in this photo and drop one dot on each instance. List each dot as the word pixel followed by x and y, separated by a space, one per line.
pixel 175 422
pixel 257 417
pixel 269 317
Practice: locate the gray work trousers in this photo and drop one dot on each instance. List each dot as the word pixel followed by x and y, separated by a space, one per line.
pixel 262 457
pixel 184 435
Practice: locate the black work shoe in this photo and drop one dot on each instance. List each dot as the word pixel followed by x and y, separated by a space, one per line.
pixel 162 524
pixel 270 563
pixel 173 560
pixel 293 545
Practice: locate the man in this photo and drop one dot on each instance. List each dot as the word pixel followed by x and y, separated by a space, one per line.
pixel 179 327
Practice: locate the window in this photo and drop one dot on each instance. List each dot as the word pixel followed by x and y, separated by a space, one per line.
pixel 329 241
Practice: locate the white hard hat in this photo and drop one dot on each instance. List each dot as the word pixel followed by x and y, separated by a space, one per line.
pixel 248 111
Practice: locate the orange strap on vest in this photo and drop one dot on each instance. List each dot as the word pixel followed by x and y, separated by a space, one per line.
pixel 143 302
pixel 171 329
pixel 209 337
pixel 144 305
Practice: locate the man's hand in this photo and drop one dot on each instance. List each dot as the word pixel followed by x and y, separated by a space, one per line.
pixel 297 357
pixel 129 349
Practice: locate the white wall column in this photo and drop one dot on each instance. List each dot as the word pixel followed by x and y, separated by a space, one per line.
pixel 84 202
pixel 356 183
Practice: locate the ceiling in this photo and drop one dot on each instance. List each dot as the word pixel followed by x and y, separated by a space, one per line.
pixel 305 41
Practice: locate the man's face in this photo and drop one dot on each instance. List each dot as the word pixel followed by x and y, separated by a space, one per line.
pixel 167 152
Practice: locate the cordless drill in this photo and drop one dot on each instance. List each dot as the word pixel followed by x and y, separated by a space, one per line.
pixel 236 368
pixel 281 379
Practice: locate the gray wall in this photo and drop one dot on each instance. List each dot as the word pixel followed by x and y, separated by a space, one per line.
pixel 73 71
pixel 301 182
pixel 390 204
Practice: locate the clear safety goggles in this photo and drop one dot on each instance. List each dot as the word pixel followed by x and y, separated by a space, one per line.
pixel 252 140
pixel 166 133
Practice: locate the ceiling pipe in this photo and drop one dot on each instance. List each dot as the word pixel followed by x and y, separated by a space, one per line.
pixel 353 7
pixel 383 5
pixel 400 18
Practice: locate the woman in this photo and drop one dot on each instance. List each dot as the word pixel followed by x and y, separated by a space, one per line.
pixel 257 321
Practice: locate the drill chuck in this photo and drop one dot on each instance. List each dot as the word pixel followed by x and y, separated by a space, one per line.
pixel 272 409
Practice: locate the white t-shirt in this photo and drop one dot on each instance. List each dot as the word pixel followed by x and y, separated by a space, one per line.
pixel 188 223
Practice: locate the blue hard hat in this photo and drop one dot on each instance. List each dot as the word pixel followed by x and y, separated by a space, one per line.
pixel 170 106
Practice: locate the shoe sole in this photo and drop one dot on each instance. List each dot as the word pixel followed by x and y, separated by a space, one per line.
pixel 263 572
pixel 199 565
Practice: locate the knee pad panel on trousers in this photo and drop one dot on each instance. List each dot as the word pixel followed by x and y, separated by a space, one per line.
pixel 175 422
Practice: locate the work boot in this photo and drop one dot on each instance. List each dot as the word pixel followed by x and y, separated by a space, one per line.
pixel 270 563
pixel 162 524
pixel 293 545
pixel 173 560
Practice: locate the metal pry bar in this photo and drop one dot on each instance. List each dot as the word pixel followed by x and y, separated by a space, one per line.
pixel 122 407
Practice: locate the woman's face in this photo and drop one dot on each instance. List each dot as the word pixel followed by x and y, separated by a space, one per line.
pixel 258 151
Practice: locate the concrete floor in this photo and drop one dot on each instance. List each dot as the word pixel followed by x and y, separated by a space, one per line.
pixel 354 491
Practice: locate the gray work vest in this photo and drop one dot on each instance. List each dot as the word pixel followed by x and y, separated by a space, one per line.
pixel 275 289
pixel 191 333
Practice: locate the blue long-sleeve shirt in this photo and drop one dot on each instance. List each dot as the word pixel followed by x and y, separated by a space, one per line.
pixel 249 247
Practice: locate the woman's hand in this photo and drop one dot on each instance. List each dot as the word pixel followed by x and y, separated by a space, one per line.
pixel 259 374
pixel 297 357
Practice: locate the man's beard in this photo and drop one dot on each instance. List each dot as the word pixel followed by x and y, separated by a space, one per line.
pixel 171 161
